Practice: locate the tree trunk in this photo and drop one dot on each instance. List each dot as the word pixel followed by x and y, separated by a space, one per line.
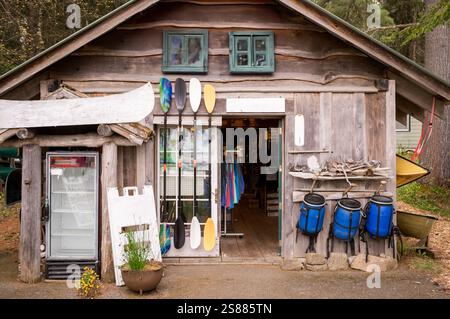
pixel 436 154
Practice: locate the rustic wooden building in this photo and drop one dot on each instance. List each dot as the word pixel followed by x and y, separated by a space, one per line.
pixel 349 89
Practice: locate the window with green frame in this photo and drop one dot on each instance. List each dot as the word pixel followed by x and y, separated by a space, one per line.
pixel 185 51
pixel 252 52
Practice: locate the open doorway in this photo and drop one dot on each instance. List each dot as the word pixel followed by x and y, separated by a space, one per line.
pixel 251 190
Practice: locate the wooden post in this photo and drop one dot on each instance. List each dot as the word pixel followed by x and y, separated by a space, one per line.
pixel 391 149
pixel 30 221
pixel 140 166
pixel 108 179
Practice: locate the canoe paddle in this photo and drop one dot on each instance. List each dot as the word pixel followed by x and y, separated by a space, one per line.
pixel 195 98
pixel 180 100
pixel 210 229
pixel 165 92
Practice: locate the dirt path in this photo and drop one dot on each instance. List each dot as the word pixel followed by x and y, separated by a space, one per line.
pixel 242 281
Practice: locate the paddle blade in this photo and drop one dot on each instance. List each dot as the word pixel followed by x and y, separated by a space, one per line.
pixel 195 233
pixel 165 94
pixel 180 94
pixel 164 238
pixel 210 98
pixel 195 94
pixel 179 233
pixel 210 235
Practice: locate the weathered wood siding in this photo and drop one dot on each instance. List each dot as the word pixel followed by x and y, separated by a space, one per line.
pixel 306 57
pixel 320 76
pixel 354 127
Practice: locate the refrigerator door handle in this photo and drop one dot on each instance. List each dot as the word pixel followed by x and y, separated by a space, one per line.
pixel 46 211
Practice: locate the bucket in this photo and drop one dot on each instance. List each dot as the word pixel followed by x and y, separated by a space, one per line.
pixel 347 217
pixel 312 214
pixel 380 212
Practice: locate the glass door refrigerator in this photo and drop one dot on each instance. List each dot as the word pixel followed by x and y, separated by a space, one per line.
pixel 72 212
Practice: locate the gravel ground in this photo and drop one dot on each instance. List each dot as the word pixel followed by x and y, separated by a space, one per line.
pixel 239 281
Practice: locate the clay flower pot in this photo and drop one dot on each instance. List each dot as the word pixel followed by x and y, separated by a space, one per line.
pixel 143 280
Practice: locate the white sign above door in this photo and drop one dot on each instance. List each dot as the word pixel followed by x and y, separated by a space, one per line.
pixel 256 105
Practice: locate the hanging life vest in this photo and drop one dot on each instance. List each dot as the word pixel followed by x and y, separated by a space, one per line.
pixel 312 215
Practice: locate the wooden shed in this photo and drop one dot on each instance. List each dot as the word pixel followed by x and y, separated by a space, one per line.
pixel 282 64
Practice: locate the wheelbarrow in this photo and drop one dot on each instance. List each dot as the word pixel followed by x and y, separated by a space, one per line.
pixel 416 226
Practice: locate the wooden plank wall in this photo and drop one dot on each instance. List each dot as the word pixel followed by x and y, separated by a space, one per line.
pixel 353 126
pixel 306 57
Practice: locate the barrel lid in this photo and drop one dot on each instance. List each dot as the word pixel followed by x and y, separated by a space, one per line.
pixel 314 199
pixel 349 203
pixel 382 199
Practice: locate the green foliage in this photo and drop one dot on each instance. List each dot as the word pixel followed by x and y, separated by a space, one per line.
pixel 404 23
pixel 431 198
pixel 425 263
pixel 435 16
pixel 29 27
pixel 136 252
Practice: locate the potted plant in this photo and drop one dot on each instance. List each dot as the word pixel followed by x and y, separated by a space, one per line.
pixel 138 273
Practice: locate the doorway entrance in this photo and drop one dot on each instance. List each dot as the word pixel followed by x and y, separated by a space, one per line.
pixel 251 189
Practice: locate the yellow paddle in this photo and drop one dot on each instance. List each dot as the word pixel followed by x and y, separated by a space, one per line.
pixel 209 241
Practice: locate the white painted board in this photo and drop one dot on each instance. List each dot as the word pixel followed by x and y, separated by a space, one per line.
pixel 128 107
pixel 256 105
pixel 299 130
pixel 132 210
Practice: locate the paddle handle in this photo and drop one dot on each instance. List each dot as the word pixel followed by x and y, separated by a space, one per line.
pixel 194 131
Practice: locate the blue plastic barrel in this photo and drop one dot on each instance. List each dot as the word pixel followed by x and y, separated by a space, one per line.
pixel 380 212
pixel 347 217
pixel 312 214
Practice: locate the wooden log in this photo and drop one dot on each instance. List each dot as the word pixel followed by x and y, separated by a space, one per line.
pixel 30 220
pixel 108 179
pixel 133 138
pixel 140 166
pixel 104 130
pixel 6 134
pixel 82 140
pixel 138 130
pixel 24 133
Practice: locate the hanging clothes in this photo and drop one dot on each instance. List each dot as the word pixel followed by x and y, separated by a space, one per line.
pixel 232 184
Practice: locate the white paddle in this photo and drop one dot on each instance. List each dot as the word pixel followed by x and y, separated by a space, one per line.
pixel 195 97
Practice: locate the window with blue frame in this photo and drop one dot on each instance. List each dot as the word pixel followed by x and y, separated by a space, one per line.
pixel 252 52
pixel 185 51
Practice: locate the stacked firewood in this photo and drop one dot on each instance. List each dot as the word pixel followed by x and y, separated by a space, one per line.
pixel 134 132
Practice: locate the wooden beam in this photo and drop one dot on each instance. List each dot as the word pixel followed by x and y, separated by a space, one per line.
pixel 362 42
pixel 6 134
pixel 408 107
pixel 140 166
pixel 133 138
pixel 416 95
pixel 391 150
pixel 29 90
pixel 401 117
pixel 82 140
pixel 108 179
pixel 71 44
pixel 30 220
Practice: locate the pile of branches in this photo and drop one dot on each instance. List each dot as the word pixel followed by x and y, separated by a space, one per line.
pixel 337 168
